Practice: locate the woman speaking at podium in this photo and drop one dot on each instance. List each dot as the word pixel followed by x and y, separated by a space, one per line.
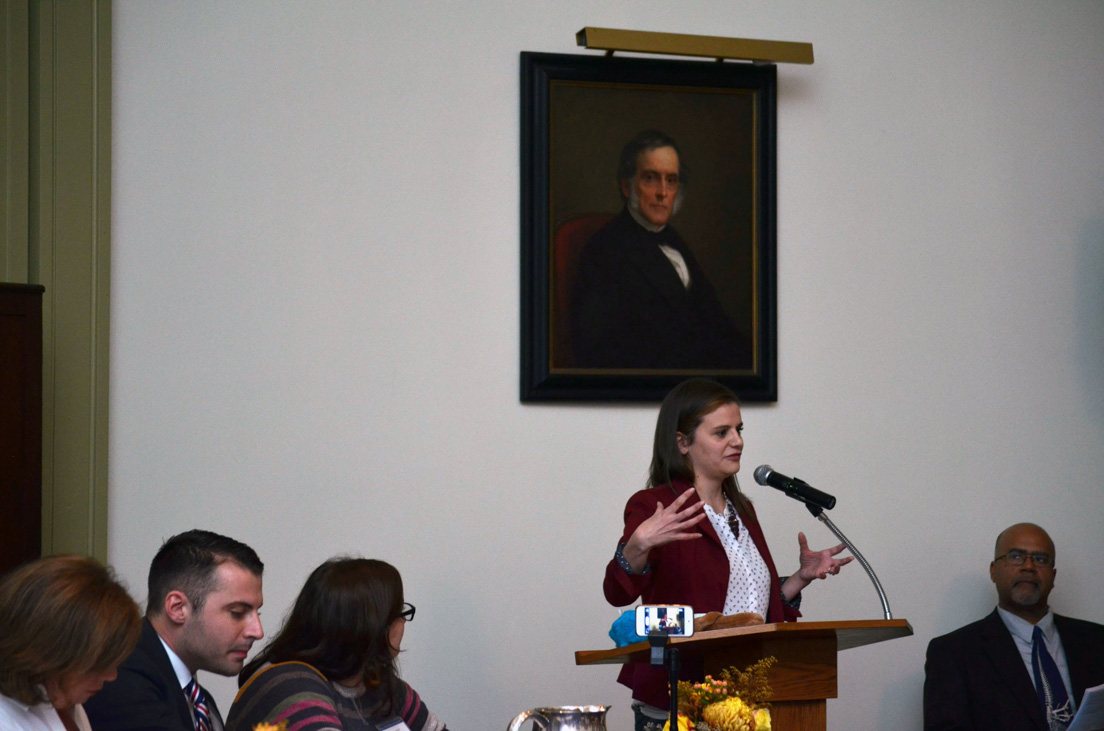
pixel 692 537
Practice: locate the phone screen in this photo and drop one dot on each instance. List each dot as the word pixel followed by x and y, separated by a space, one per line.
pixel 676 621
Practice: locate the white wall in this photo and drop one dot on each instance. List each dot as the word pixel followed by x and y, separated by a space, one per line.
pixel 315 319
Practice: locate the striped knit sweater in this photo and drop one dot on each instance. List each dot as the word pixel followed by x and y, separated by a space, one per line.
pixel 298 694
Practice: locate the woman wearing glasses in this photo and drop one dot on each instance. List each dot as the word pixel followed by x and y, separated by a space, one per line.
pixel 332 664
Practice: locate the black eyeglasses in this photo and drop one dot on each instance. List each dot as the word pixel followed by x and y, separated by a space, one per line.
pixel 1016 557
pixel 408 611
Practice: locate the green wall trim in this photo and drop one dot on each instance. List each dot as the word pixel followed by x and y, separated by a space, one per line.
pixel 69 253
pixel 14 120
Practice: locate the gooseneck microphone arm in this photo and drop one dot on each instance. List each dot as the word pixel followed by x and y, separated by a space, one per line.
pixel 800 490
pixel 818 512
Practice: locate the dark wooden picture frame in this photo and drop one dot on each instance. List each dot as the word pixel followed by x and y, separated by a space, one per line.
pixel 577 113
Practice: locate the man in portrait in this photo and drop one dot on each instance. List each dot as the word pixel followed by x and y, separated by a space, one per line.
pixel 640 299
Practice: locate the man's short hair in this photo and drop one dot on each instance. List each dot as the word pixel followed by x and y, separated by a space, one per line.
pixel 649 139
pixel 187 563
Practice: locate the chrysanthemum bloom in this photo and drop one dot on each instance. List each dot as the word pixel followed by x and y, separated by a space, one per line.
pixel 731 714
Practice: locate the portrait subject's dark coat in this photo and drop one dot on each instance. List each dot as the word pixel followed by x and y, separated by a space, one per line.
pixel 630 310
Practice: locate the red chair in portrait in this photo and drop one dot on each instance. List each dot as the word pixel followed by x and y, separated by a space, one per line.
pixel 567 243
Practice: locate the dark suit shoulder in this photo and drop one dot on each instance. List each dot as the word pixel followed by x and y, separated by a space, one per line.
pixel 991 624
pixel 1080 626
pixel 146 695
pixel 622 232
pixel 611 241
pixel 1083 643
pixel 982 627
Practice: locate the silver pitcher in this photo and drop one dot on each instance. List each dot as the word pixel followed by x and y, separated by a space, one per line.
pixel 563 718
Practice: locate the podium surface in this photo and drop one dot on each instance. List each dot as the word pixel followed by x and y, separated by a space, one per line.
pixel 803 678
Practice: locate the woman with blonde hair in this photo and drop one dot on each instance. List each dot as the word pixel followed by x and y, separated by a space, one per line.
pixel 66 625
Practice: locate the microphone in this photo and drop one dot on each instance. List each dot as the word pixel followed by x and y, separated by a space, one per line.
pixel 795 487
pixel 817 502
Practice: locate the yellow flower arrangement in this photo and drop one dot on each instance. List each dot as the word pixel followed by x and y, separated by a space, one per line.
pixel 281 726
pixel 732 714
pixel 683 724
pixel 735 701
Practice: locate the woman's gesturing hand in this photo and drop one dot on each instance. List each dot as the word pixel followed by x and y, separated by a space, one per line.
pixel 674 522
pixel 813 565
pixel 819 564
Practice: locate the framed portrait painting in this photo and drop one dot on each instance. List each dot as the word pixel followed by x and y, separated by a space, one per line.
pixel 647 227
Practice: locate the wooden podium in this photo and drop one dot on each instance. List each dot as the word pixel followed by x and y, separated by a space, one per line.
pixel 804 676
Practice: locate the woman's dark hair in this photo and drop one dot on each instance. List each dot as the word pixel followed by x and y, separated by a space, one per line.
pixel 62 616
pixel 340 624
pixel 682 412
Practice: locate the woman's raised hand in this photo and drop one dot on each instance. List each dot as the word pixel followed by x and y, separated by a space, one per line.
pixel 674 522
pixel 819 564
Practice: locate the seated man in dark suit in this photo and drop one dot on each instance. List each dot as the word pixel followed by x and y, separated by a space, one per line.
pixel 1021 667
pixel 640 299
pixel 202 614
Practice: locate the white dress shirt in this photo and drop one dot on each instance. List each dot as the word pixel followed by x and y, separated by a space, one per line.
pixel 748 577
pixel 16 716
pixel 184 676
pixel 673 255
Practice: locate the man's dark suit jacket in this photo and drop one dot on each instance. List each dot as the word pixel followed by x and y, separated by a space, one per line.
pixel 629 309
pixel 146 696
pixel 975 678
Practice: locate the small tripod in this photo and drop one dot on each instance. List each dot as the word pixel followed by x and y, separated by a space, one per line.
pixel 664 654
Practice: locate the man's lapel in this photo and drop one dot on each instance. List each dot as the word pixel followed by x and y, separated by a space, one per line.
pixel 657 269
pixel 1000 649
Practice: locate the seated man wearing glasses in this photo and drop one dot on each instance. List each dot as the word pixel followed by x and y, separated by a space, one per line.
pixel 1021 667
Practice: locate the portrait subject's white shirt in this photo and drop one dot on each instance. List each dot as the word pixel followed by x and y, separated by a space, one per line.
pixel 678 263
pixel 673 255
